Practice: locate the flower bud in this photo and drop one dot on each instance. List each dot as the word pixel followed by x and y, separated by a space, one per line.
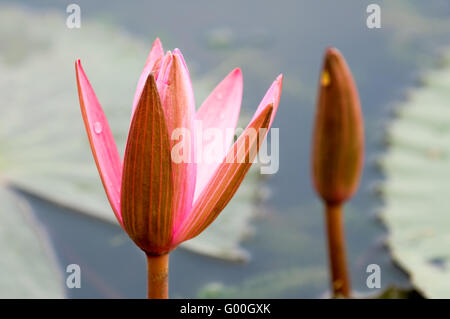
pixel 338 138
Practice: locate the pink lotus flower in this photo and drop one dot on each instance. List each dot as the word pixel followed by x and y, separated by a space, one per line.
pixel 158 202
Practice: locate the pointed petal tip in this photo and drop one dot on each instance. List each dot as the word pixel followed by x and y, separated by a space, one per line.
pixel 177 53
pixel 156 51
pixel 279 82
pixel 150 80
pixel 280 78
pixel 78 66
pixel 334 64
pixel 237 72
pixel 157 42
pixel 180 64
pixel 332 54
pixel 332 51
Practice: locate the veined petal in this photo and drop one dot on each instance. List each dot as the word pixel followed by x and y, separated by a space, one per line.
pixel 272 96
pixel 151 65
pixel 103 147
pixel 147 188
pixel 219 111
pixel 177 97
pixel 227 178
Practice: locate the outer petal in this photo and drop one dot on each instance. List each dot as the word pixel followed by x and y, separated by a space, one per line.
pixel 219 111
pixel 226 180
pixel 177 97
pixel 272 96
pixel 151 65
pixel 147 188
pixel 103 147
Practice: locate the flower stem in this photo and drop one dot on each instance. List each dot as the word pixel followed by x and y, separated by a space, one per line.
pixel 158 276
pixel 337 255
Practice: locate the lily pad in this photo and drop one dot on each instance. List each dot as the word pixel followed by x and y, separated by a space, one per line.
pixel 44 149
pixel 267 285
pixel 417 186
pixel 28 268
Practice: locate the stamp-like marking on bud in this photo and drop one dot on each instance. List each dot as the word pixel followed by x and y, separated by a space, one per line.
pixel 325 78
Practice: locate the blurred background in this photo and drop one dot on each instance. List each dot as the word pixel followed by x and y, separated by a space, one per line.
pixel 269 243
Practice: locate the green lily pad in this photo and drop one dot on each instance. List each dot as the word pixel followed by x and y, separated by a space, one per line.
pixel 417 186
pixel 393 292
pixel 267 285
pixel 27 265
pixel 44 149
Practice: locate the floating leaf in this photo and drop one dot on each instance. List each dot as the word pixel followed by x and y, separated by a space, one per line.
pixel 267 285
pixel 44 149
pixel 417 187
pixel 27 266
pixel 393 292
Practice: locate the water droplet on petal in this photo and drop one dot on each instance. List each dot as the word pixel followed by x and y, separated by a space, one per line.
pixel 325 78
pixel 98 128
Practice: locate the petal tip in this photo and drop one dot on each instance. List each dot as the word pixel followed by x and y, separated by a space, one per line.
pixel 78 66
pixel 237 75
pixel 280 78
pixel 237 72
pixel 157 42
pixel 332 51
pixel 332 56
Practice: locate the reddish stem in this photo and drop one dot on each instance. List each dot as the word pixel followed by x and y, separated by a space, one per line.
pixel 158 276
pixel 336 249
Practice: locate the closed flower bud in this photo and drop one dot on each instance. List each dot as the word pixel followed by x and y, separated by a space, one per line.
pixel 338 138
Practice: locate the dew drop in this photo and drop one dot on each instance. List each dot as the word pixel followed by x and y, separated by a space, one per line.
pixel 325 78
pixel 98 128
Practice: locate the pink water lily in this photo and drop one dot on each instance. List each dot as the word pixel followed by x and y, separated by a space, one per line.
pixel 158 202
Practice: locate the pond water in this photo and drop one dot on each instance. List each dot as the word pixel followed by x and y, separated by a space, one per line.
pixel 288 251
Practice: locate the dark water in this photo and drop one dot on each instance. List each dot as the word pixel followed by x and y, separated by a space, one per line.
pixel 292 35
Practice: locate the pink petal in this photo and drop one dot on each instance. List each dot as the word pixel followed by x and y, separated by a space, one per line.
pixel 225 181
pixel 177 97
pixel 152 64
pixel 272 96
pixel 103 147
pixel 162 76
pixel 220 110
